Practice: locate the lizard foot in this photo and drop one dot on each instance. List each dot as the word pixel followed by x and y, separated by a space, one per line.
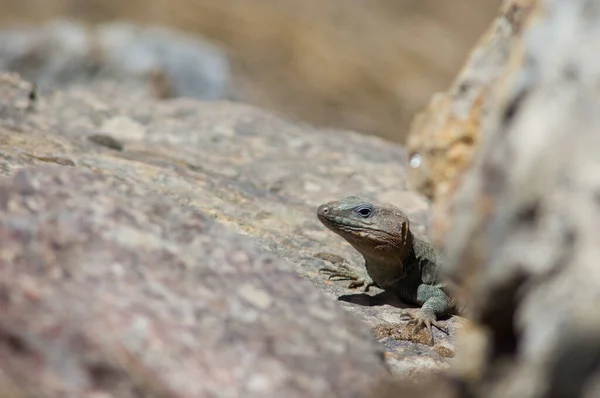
pixel 423 319
pixel 343 273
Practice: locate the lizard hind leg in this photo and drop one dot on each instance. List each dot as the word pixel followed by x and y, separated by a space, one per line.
pixel 424 319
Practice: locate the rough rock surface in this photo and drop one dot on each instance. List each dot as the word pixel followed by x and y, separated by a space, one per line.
pixel 258 175
pixel 524 242
pixel 117 290
pixel 162 62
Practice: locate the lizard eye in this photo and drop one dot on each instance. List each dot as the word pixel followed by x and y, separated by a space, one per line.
pixel 364 211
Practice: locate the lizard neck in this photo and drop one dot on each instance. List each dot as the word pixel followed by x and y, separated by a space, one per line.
pixel 386 269
pixel 385 260
pixel 384 249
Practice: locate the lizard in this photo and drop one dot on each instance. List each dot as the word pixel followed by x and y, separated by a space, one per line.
pixel 395 259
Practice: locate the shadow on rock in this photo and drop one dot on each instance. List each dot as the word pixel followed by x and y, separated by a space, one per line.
pixel 371 301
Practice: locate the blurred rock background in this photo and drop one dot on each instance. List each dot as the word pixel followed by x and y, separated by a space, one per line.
pixel 364 66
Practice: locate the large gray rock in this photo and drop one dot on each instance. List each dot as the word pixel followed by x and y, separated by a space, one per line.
pixel 155 61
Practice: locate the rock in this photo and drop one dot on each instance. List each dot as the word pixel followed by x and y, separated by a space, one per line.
pixel 431 386
pixel 444 136
pixel 108 287
pixel 154 61
pixel 250 172
pixel 523 243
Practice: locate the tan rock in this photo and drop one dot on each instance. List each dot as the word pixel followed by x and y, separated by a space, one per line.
pixel 523 241
pixel 444 136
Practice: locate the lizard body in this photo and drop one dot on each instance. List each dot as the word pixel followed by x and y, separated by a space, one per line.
pixel 395 259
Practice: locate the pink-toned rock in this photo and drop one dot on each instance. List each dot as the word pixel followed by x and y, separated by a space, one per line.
pixel 108 289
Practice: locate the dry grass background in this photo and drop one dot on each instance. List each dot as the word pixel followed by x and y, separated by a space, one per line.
pixel 357 64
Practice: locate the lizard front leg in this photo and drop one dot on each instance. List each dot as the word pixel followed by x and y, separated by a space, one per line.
pixel 342 272
pixel 339 271
pixel 434 303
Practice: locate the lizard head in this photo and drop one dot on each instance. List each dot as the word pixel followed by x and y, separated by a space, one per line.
pixel 376 230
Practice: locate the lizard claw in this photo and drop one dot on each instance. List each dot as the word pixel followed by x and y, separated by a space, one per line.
pixel 424 319
pixel 343 273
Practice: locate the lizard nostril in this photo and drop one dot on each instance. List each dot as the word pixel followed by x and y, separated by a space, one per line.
pixel 323 209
